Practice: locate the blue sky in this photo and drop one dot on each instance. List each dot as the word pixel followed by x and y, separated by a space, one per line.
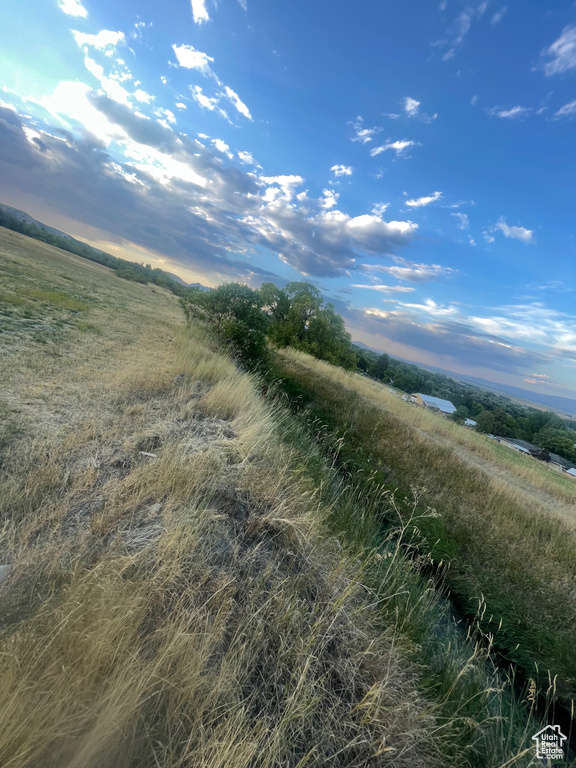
pixel 415 160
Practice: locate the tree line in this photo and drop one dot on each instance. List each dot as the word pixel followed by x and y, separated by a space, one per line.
pixel 128 270
pixel 295 316
pixel 494 414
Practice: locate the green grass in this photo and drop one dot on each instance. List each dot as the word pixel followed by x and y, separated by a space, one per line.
pixel 495 548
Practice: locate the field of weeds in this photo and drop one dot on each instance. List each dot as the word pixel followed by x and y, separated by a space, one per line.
pixel 503 541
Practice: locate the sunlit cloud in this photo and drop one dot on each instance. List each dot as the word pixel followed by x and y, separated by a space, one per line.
pixel 73 8
pixel 419 202
pixel 401 147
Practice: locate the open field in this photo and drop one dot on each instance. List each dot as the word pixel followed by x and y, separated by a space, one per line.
pixel 175 596
pixel 504 532
pixel 181 608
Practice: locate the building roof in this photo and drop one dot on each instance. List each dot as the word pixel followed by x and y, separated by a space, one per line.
pixel 561 461
pixel 436 402
pixel 524 444
pixel 571 472
pixel 470 422
pixel 527 447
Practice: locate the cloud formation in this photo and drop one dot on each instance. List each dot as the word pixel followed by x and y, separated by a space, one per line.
pixel 463 220
pixel 174 194
pixel 104 39
pixel 419 202
pixel 516 233
pixel 514 113
pixel 499 15
pixel 568 110
pixel 73 8
pixel 190 58
pixel 199 12
pixel 387 288
pixel 361 134
pixel 459 344
pixel 561 54
pixel 401 147
pixel 411 272
pixel 341 170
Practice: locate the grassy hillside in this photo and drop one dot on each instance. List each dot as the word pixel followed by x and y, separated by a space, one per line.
pixel 180 608
pixel 504 530
pixel 190 581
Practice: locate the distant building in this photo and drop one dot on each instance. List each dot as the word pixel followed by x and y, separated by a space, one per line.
pixel 433 403
pixel 469 423
pixel 552 459
pixel 571 472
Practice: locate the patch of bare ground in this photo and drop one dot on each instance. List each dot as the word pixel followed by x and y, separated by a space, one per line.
pixel 171 600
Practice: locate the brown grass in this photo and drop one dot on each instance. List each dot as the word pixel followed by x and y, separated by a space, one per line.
pixel 181 609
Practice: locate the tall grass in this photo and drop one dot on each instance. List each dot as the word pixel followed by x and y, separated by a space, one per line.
pixel 184 609
pixel 497 547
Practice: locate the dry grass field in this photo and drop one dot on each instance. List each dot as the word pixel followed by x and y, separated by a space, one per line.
pixel 171 599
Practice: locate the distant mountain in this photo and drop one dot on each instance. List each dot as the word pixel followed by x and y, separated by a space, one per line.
pixel 566 405
pixel 23 216
pixel 188 285
pixel 365 346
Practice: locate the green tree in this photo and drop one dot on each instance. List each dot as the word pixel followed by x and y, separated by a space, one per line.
pixel 235 311
pixel 460 414
pixel 557 441
pixel 380 366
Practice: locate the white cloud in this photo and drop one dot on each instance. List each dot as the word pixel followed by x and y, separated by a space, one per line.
pixel 533 323
pixel 202 99
pixel 73 8
pixel 460 203
pixel 421 201
pixel 379 208
pixel 474 100
pixel 498 16
pixel 243 4
pixel 411 109
pixel 562 53
pixel 411 106
pixel 163 80
pixel 567 110
pixel 199 12
pixel 189 58
pixel 237 102
pixel 517 233
pixel 463 220
pixel 364 135
pixel 110 86
pixel 515 113
pixel 430 307
pixel 246 157
pixel 387 288
pixel 411 272
pixel 471 241
pixel 180 105
pixel 104 39
pixel 330 199
pixel 400 147
pixel 142 96
pixel 221 146
pixel 341 170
